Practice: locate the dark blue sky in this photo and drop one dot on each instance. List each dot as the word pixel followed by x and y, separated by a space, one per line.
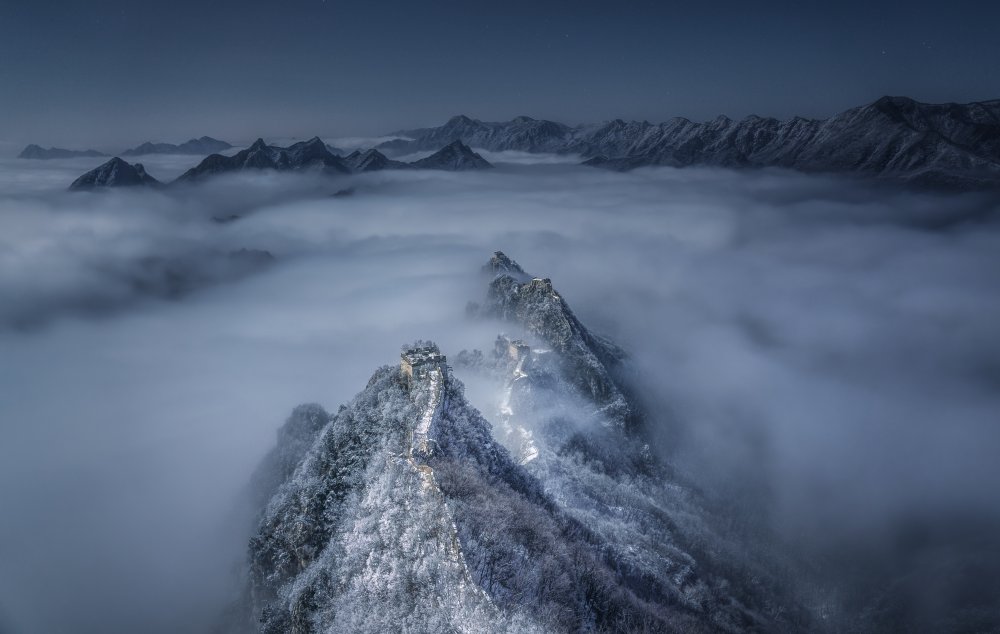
pixel 108 72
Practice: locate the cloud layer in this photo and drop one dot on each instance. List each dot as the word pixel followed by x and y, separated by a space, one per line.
pixel 823 351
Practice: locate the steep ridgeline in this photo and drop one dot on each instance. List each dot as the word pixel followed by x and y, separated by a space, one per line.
pixel 587 361
pixel 360 535
pixel 562 409
pixel 311 154
pixel 115 173
pixel 894 138
pixel 204 145
pixel 37 152
pixel 403 512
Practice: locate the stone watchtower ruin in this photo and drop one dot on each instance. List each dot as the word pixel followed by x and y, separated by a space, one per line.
pixel 415 362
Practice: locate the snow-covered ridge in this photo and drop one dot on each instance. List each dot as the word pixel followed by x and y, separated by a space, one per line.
pixel 403 512
pixel 894 138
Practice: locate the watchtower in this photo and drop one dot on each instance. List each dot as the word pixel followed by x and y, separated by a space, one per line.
pixel 415 362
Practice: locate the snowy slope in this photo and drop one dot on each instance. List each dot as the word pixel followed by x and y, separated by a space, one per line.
pixel 404 511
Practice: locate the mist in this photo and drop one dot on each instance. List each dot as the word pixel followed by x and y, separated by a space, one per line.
pixel 820 354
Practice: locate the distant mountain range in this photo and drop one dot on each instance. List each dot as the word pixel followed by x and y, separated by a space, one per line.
pixel 204 145
pixel 893 138
pixel 38 152
pixel 304 155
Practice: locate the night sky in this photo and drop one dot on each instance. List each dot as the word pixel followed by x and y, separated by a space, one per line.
pixel 110 72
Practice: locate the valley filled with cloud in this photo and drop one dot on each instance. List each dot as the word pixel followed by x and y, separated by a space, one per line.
pixel 820 354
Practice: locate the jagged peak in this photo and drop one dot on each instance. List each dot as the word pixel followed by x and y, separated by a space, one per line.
pixel 523 119
pixel 259 144
pixel 500 263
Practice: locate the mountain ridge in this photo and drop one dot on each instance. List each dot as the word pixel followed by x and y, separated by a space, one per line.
pixel 892 138
pixel 404 511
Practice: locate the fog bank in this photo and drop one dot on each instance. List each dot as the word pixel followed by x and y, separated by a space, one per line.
pixel 821 354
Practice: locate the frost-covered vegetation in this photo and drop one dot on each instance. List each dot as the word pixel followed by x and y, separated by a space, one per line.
pixel 403 512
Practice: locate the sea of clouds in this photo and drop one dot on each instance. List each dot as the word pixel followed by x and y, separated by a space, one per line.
pixel 822 354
